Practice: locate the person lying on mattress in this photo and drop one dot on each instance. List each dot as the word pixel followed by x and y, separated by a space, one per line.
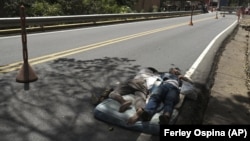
pixel 140 86
pixel 167 93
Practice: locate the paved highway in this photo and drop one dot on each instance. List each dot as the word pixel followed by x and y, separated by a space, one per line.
pixel 75 65
pixel 157 43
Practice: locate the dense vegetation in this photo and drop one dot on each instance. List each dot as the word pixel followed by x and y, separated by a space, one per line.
pixel 10 8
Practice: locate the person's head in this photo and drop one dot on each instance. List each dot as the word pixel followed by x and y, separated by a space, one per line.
pixel 175 71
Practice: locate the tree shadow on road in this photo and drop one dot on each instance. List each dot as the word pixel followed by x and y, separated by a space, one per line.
pixel 57 107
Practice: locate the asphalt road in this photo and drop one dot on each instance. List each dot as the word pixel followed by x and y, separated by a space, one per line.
pixel 157 43
pixel 74 65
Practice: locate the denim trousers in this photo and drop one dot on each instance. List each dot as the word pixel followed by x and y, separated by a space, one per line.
pixel 165 93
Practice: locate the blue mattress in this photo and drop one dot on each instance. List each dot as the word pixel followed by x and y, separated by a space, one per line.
pixel 107 111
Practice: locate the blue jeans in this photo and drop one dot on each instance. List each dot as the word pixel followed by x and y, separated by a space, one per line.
pixel 165 93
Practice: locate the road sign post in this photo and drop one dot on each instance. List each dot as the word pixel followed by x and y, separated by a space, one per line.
pixel 26 73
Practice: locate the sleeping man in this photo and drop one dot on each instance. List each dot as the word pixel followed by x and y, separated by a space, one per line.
pixel 140 86
pixel 167 93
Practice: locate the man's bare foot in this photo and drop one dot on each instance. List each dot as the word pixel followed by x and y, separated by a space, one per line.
pixel 125 106
pixel 132 120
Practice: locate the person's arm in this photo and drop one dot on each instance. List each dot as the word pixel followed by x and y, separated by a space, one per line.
pixel 181 77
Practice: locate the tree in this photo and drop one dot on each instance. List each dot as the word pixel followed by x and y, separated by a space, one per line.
pixel 129 3
pixel 102 7
pixel 11 9
pixel 43 8
pixel 2 7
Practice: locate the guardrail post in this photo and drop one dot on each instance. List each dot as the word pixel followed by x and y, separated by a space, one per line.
pixel 216 16
pixel 26 73
pixel 191 19
pixel 224 11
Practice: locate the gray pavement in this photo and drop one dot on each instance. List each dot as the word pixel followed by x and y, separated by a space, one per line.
pixel 58 106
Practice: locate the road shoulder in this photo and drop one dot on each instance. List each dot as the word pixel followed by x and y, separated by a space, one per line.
pixel 229 100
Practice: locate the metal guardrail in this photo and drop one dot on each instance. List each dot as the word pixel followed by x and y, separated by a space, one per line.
pixel 8 23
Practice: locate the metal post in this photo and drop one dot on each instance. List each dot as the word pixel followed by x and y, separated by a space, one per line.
pixel 191 19
pixel 26 73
